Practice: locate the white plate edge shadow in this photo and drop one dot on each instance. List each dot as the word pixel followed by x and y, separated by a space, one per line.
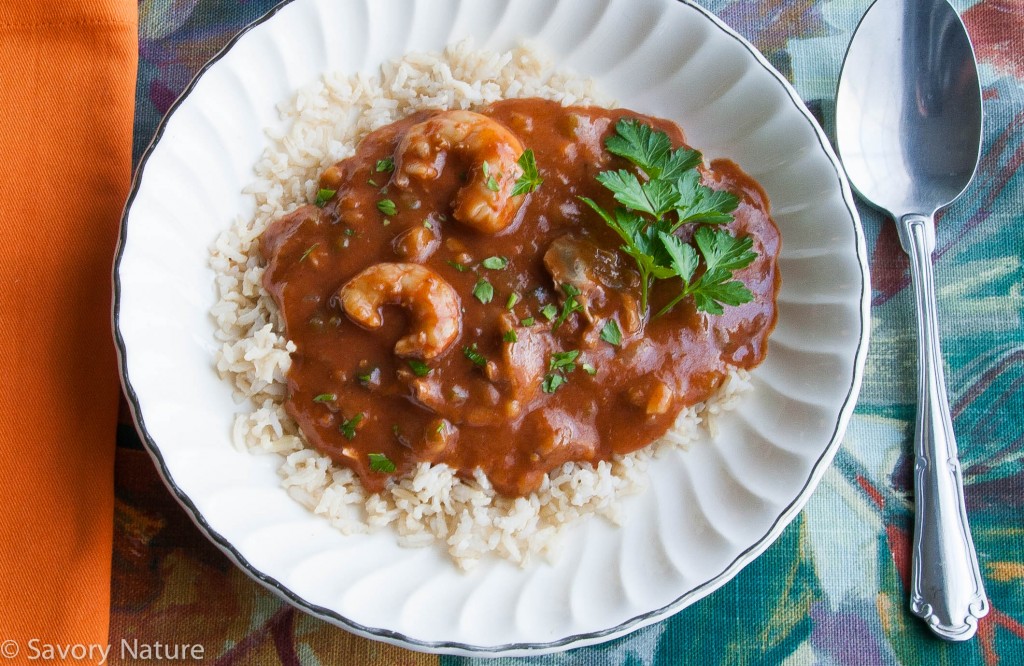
pixel 635 622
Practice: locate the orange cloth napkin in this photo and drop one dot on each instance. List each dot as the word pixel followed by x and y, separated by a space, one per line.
pixel 67 90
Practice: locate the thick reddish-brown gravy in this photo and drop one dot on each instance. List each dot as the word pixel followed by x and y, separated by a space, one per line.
pixel 497 417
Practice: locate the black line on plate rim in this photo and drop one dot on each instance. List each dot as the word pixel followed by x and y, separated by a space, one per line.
pixel 451 647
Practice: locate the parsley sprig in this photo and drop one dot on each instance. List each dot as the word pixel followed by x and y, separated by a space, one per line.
pixel 652 210
pixel 723 253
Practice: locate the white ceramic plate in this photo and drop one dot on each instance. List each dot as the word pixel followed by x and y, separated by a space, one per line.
pixel 708 511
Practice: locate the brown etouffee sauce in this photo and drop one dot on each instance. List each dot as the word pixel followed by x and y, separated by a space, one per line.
pixel 497 417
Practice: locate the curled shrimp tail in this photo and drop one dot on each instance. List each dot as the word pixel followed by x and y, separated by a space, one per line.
pixel 434 306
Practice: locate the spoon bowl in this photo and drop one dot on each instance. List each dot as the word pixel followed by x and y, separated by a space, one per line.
pixel 908 111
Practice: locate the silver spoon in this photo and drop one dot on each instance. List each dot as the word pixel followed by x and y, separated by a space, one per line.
pixel 908 124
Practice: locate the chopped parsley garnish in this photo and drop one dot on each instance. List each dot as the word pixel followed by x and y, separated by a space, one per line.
pixel 529 321
pixel 570 305
pixel 510 336
pixel 387 206
pixel 419 368
pixel 549 311
pixel 652 210
pixel 348 428
pixel 611 334
pixel 494 263
pixel 473 355
pixel 513 298
pixel 492 184
pixel 530 180
pixel 483 291
pixel 427 224
pixel 386 165
pixel 350 231
pixel 326 397
pixel 563 360
pixel 589 369
pixel 559 365
pixel 308 251
pixel 323 196
pixel 381 463
pixel 552 381
pixel 457 266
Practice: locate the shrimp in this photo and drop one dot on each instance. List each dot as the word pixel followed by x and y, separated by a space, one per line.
pixel 434 305
pixel 484 203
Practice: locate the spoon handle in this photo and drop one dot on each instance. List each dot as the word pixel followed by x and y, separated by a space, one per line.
pixel 946 588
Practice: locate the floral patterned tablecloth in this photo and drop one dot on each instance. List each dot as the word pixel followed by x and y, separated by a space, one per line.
pixel 832 589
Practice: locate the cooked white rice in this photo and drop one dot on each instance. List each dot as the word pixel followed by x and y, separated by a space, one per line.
pixel 324 122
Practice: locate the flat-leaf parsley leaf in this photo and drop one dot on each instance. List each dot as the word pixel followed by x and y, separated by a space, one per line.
pixel 530 180
pixel 552 381
pixel 381 463
pixel 323 196
pixel 563 360
pixel 611 334
pixel 494 263
pixel 483 291
pixel 348 427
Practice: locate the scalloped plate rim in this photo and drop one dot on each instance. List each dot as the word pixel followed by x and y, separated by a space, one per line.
pixel 511 649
